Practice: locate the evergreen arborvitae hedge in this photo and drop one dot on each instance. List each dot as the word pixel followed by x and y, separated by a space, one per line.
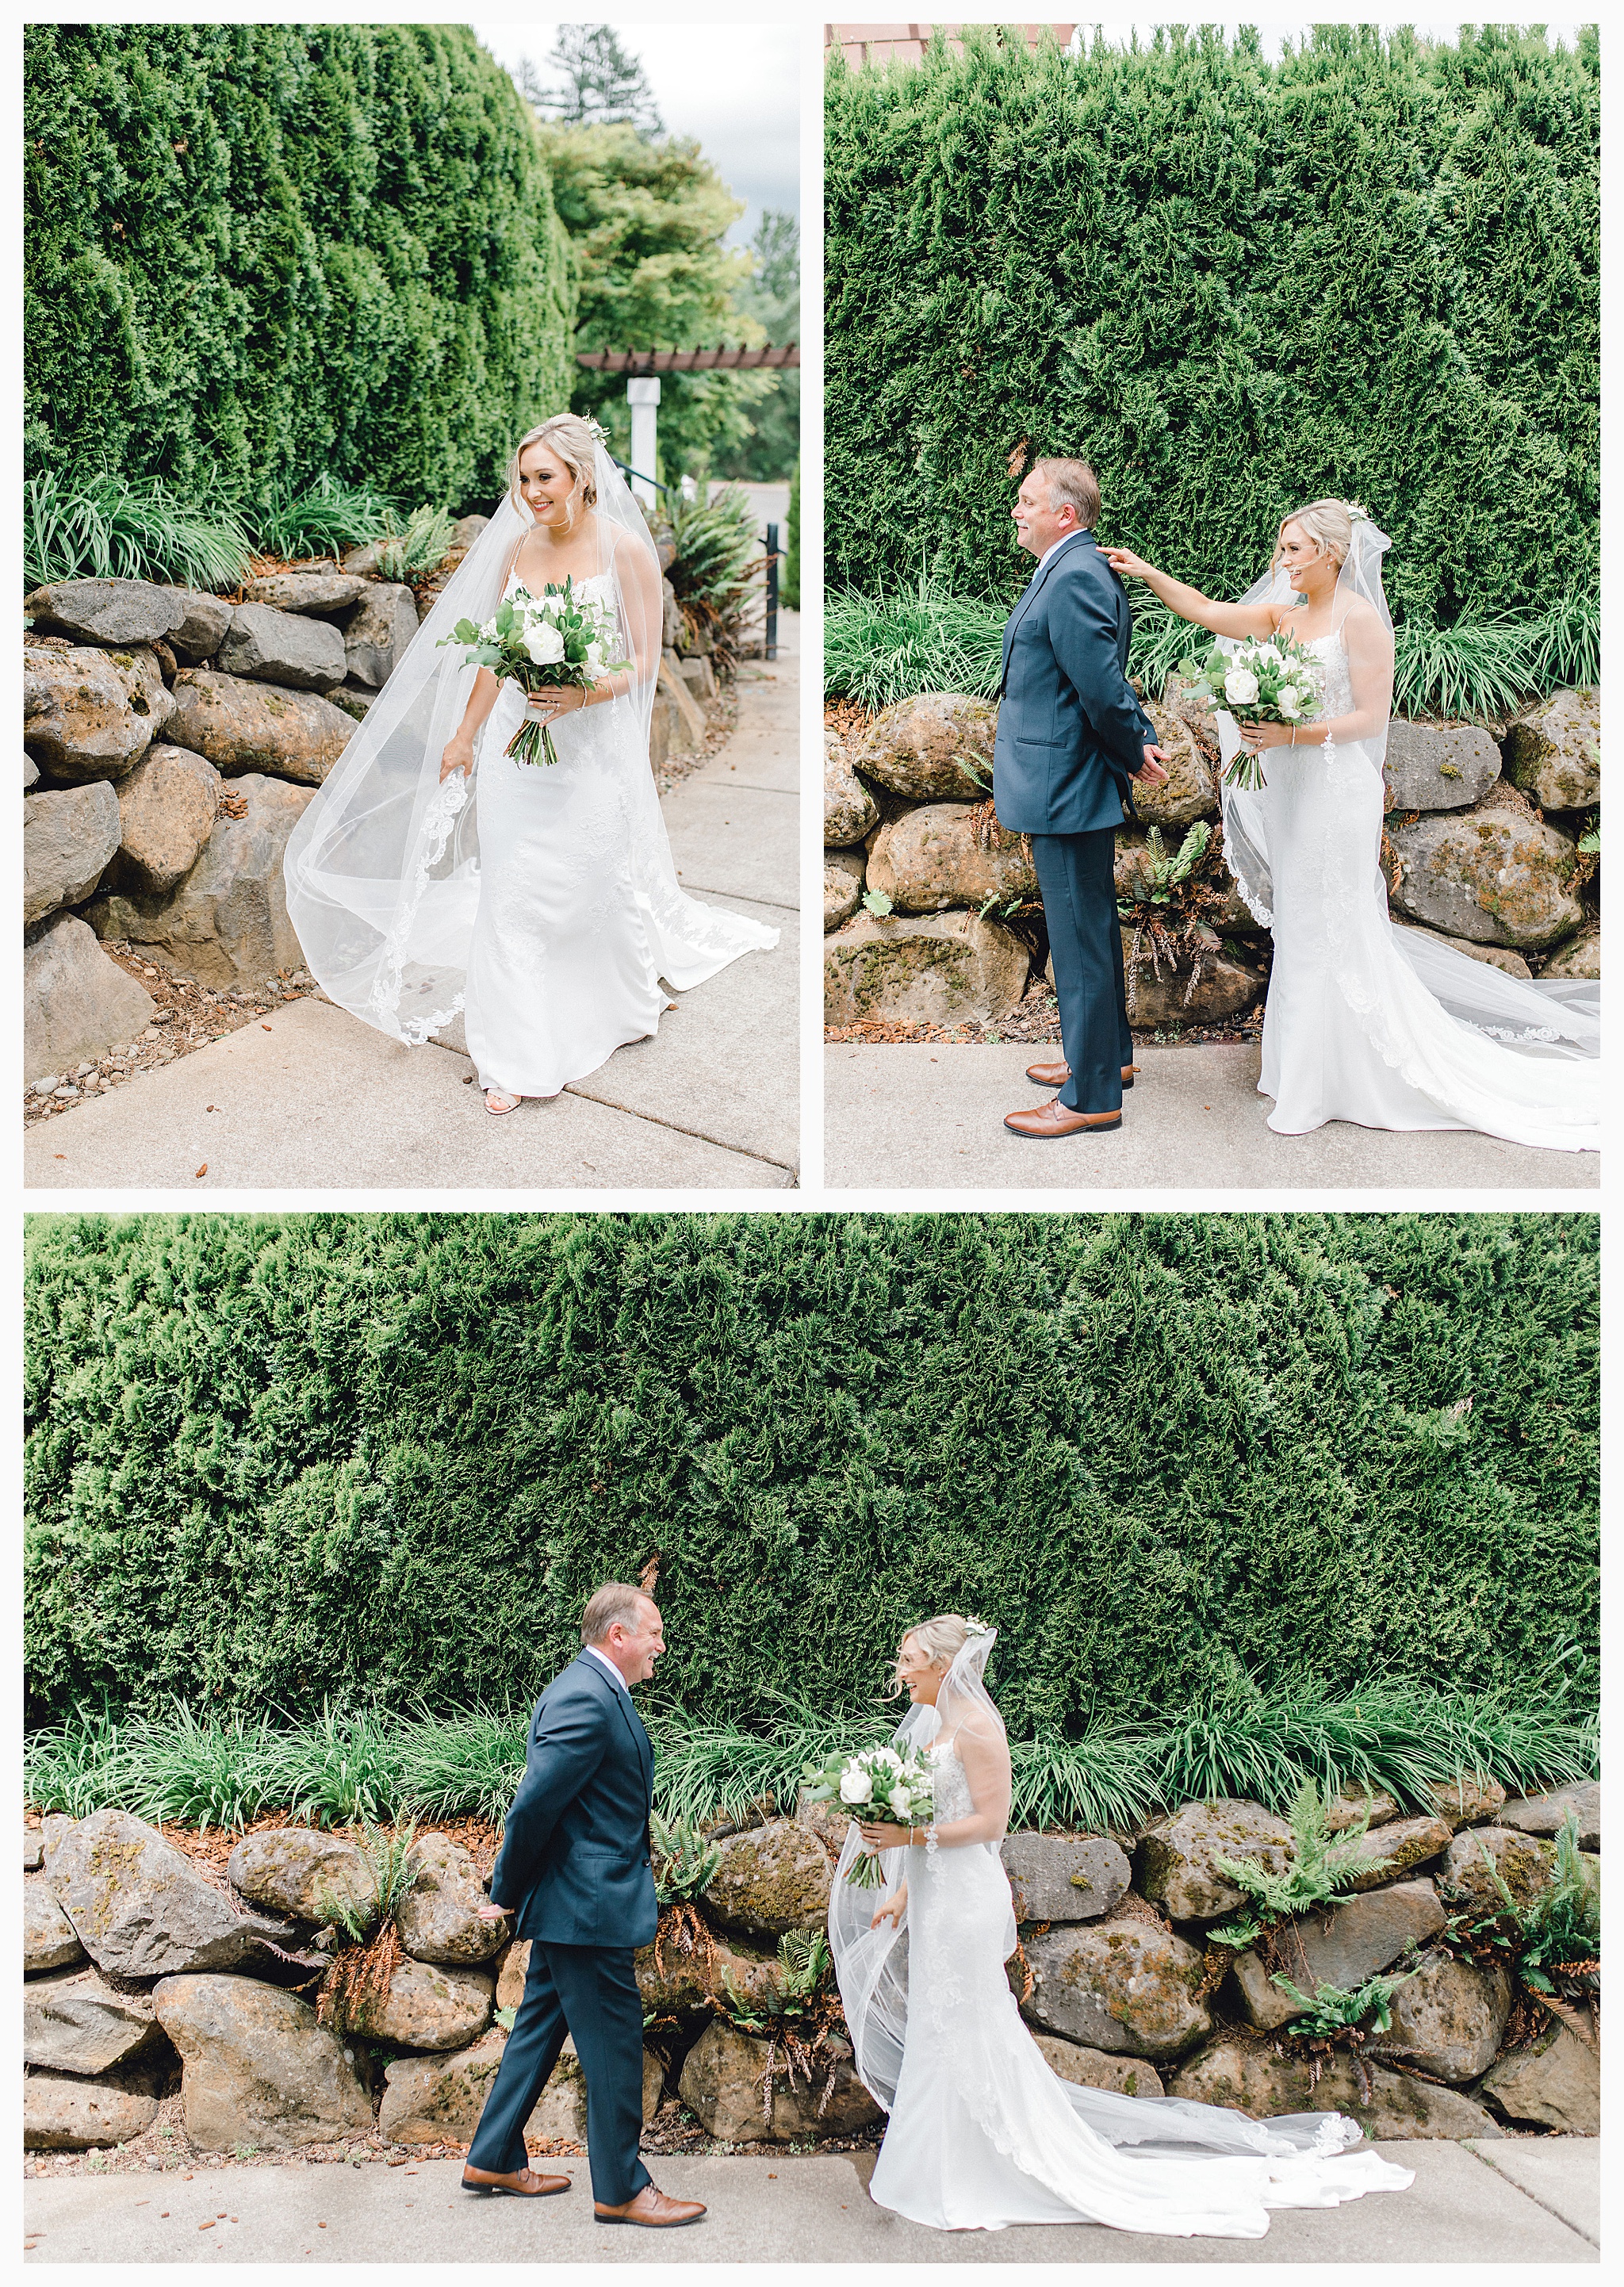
pixel 264 250
pixel 388 1457
pixel 1370 270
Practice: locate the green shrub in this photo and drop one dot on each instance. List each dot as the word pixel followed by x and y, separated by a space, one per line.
pixel 258 251
pixel 384 1459
pixel 1370 269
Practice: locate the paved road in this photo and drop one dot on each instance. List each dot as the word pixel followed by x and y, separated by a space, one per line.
pixel 917 1117
pixel 1502 2203
pixel 313 1098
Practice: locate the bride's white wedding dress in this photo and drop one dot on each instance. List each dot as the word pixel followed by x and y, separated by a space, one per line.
pixel 539 901
pixel 983 2135
pixel 1354 1026
pixel 579 917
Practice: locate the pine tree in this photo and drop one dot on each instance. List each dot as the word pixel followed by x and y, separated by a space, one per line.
pixel 602 86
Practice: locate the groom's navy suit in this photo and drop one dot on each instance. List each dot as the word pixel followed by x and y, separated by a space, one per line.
pixel 1071 735
pixel 575 1861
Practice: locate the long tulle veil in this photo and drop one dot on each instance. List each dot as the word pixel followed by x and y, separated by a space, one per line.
pixel 1545 1017
pixel 381 870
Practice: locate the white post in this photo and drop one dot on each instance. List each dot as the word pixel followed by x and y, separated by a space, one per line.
pixel 644 398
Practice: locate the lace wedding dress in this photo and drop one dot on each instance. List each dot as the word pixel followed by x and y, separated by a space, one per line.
pixel 541 902
pixel 578 919
pixel 1382 1026
pixel 982 2133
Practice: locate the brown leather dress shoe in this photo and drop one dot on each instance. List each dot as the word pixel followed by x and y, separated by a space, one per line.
pixel 525 2184
pixel 1056 1075
pixel 652 2209
pixel 1054 1119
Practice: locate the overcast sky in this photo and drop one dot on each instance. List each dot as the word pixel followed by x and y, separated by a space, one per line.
pixel 735 87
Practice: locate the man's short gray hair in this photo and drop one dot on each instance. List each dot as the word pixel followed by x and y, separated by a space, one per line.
pixel 1072 482
pixel 616 1602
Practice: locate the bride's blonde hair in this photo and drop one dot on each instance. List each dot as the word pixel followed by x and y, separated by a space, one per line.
pixel 941 1641
pixel 1328 524
pixel 575 441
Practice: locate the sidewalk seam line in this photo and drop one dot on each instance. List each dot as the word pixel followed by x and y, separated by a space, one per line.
pixel 700 1134
pixel 1578 2230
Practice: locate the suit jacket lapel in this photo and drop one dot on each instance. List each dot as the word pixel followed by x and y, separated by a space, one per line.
pixel 629 1716
pixel 1029 596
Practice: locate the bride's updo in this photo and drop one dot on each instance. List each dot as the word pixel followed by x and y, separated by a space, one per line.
pixel 941 1641
pixel 575 441
pixel 1328 524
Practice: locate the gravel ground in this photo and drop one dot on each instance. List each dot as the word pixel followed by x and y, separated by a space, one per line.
pixel 188 1015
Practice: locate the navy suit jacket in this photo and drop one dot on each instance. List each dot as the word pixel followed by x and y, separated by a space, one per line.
pixel 1071 733
pixel 574 1855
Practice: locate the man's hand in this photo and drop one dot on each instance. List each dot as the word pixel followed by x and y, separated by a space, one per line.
pixel 493 1913
pixel 1153 774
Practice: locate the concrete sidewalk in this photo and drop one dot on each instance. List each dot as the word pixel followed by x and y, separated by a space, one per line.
pixel 1534 2202
pixel 914 1116
pixel 314 1098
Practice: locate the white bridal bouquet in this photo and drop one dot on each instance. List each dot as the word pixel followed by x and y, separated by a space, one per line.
pixel 879 1783
pixel 556 640
pixel 1276 681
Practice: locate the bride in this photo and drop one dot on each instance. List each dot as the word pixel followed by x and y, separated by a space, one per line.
pixel 432 875
pixel 1364 1022
pixel 982 2133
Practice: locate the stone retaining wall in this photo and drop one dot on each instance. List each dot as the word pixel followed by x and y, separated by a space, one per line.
pixel 140 1965
pixel 1482 827
pixel 171 739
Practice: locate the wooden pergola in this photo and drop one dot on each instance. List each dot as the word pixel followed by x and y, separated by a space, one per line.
pixel 637 364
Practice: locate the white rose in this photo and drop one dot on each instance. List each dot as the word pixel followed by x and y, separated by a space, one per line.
pixel 1239 688
pixel 544 643
pixel 902 1803
pixel 1290 701
pixel 1266 655
pixel 855 1787
pixel 888 1758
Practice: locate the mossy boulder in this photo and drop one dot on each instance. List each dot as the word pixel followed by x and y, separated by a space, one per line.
pixel 723 2080
pixel 937 748
pixel 1258 2078
pixel 934 968
pixel 771 1880
pixel 1493 873
pixel 1554 751
pixel 1177 1858
pixel 939 855
pixel 1130 1987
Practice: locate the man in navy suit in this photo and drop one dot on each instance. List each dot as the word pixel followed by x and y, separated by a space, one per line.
pixel 1072 739
pixel 575 1866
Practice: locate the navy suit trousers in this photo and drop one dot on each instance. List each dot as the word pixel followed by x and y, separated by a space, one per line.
pixel 591 1992
pixel 1077 881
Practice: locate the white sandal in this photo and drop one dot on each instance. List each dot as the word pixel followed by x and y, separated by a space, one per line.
pixel 502 1104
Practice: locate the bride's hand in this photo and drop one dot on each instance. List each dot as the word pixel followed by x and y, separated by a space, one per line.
pixel 547 706
pixel 885 1837
pixel 1265 734
pixel 891 1910
pixel 458 756
pixel 1123 560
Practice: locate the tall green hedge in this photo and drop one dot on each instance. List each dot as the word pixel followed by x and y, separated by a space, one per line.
pixel 1369 269
pixel 262 250
pixel 388 1457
